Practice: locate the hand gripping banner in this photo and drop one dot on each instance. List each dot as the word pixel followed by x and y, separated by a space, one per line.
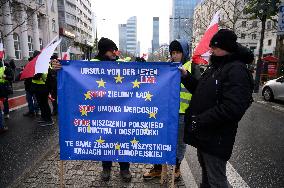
pixel 124 112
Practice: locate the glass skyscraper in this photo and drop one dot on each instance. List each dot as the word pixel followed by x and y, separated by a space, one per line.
pixel 182 19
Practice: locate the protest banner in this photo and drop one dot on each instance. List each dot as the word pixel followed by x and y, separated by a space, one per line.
pixel 123 112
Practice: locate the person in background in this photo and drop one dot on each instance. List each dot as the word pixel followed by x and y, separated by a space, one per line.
pixel 107 52
pixel 220 99
pixel 31 99
pixel 179 51
pixel 51 82
pixel 13 67
pixel 40 89
pixel 8 79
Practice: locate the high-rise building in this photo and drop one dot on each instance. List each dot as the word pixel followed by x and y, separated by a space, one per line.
pixel 131 35
pixel 27 26
pixel 122 37
pixel 155 40
pixel 181 19
pixel 75 22
pixel 128 37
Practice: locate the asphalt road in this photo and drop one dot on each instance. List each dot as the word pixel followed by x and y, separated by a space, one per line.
pixel 258 155
pixel 22 145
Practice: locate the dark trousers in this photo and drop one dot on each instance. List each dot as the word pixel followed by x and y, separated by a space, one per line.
pixel 213 171
pixel 53 94
pixel 42 99
pixel 6 105
pixel 32 103
pixel 123 165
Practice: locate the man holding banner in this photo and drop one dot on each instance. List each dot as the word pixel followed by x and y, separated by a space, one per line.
pixel 179 51
pixel 220 99
pixel 107 52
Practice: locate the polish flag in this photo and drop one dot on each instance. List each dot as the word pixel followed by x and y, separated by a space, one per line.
pixel 40 63
pixel 1 51
pixel 201 53
pixel 66 55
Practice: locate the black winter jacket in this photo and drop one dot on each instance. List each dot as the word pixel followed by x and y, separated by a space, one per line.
pixel 220 98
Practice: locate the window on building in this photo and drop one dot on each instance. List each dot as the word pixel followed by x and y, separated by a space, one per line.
pixel 244 23
pixel 40 43
pixel 269 24
pixel 269 42
pixel 17 46
pixel 243 36
pixel 253 36
pixel 53 25
pixel 254 24
pixel 31 47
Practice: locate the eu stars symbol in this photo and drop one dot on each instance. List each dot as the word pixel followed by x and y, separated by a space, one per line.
pixel 118 78
pixel 101 83
pixel 152 115
pixel 117 146
pixel 148 97
pixel 84 112
pixel 87 95
pixel 136 84
pixel 100 140
pixel 134 141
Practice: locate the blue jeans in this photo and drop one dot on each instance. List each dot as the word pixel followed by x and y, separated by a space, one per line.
pixel 32 103
pixel 181 146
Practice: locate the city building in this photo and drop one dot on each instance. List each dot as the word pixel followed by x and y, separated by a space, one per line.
pixel 122 37
pixel 155 39
pixel 28 25
pixel 164 51
pixel 75 26
pixel 131 35
pixel 181 19
pixel 232 17
pixel 128 37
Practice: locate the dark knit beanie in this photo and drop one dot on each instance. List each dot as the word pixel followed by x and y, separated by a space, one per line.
pixel 175 46
pixel 105 45
pixel 225 39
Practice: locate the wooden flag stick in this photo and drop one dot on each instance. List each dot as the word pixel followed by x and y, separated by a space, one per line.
pixel 173 177
pixel 61 174
pixel 164 174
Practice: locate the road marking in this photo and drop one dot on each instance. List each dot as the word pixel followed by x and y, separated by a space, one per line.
pixel 187 176
pixel 234 178
pixel 278 108
pixel 19 90
pixel 18 107
pixel 262 102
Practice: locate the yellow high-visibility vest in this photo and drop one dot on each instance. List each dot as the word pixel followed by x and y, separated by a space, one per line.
pixel 2 80
pixel 185 96
pixel 41 81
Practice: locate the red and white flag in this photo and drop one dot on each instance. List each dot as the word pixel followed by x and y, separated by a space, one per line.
pixel 66 55
pixel 1 51
pixel 40 63
pixel 201 53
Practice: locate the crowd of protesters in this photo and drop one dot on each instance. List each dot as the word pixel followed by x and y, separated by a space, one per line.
pixel 211 104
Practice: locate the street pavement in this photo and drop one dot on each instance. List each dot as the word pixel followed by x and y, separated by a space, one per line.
pixel 30 155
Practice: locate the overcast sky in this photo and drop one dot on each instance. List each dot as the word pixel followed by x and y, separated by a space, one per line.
pixel 110 13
